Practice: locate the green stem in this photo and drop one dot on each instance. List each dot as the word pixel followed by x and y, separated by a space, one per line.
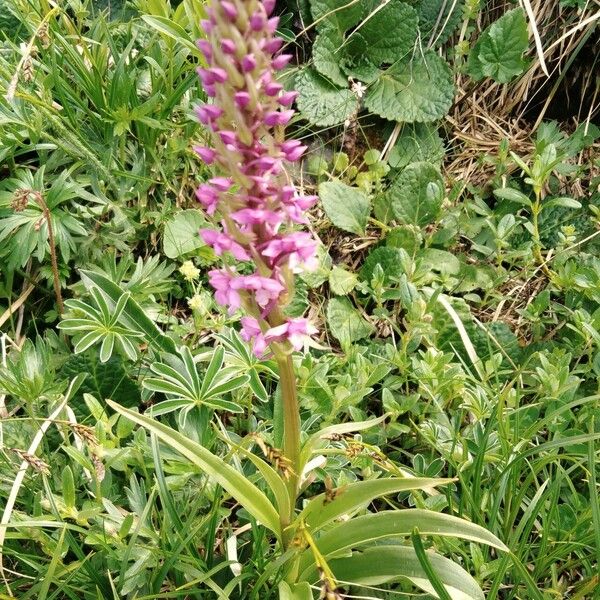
pixel 537 242
pixel 291 435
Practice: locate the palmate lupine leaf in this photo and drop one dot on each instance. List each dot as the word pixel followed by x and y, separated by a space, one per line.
pixel 179 379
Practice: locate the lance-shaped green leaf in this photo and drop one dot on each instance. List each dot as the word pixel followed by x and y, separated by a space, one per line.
pixel 320 510
pixel 396 523
pixel 233 482
pixel 319 439
pixel 298 591
pixel 385 564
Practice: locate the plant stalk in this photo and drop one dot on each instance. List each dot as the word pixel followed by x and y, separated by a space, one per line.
pixel 291 435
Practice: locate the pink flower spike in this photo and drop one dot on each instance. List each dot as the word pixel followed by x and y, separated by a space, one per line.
pixel 269 6
pixel 265 163
pixel 206 25
pixel 272 24
pixel 248 63
pixel 287 192
pixel 208 197
pixel 250 328
pixel 207 155
pixel 223 184
pixel 279 62
pixel 206 48
pixel 219 75
pixel 265 290
pixel 225 294
pixel 229 10
pixel 287 99
pixel 273 45
pixel 272 88
pixel 251 331
pixel 242 99
pixel 295 331
pixel 255 216
pixel 228 137
pixel 207 113
pixel 221 242
pixel 257 21
pixel 295 153
pixel 278 118
pixel 228 46
pixel 205 76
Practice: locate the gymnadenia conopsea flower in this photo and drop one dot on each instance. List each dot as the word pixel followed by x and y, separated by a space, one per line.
pixel 256 204
pixel 258 207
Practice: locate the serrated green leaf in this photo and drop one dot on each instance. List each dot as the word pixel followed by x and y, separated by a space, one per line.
pixel 133 314
pixel 341 281
pixel 438 19
pixel 347 207
pixel 385 564
pixel 338 14
pixel 181 233
pixel 390 259
pixel 321 102
pixel 327 56
pixel 417 142
pixel 498 53
pixel 345 322
pixel 418 90
pixel 390 32
pixel 101 380
pixel 416 195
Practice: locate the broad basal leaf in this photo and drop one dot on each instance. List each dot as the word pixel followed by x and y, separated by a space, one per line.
pixel 390 32
pixel 321 510
pixel 416 195
pixel 345 322
pixel 321 102
pixel 384 564
pixel 498 53
pixel 347 207
pixel 370 528
pixel 417 90
pixel 231 480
